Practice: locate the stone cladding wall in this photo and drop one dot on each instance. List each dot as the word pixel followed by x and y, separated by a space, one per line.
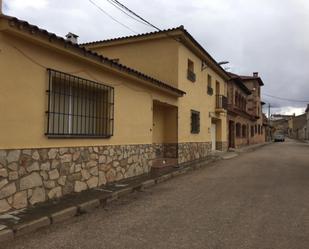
pixel 193 151
pixel 30 176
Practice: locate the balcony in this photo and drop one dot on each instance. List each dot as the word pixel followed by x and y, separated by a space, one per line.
pixel 191 76
pixel 221 103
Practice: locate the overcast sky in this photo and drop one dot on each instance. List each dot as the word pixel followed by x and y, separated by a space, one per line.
pixel 268 36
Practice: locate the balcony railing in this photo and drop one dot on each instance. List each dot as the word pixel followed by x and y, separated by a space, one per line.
pixel 221 102
pixel 191 76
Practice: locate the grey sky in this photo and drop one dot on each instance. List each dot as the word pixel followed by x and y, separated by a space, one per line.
pixel 268 36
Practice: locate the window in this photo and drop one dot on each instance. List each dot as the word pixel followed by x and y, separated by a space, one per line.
pixel 195 122
pixel 252 130
pixel 244 131
pixel 78 107
pixel 238 130
pixel 190 73
pixel 255 130
pixel 209 85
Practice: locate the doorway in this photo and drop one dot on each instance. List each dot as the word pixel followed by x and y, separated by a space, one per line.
pixel 213 136
pixel 231 134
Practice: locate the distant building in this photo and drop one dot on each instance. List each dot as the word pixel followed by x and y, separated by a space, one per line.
pixel 245 118
pixel 281 116
pixel 299 130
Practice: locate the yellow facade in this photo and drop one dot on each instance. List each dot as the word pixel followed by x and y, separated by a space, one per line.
pixel 167 59
pixel 23 68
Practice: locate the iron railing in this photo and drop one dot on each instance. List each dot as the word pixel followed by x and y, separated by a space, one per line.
pixel 221 102
pixel 78 107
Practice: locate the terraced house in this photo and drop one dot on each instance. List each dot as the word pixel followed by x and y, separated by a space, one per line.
pixel 246 124
pixel 174 56
pixel 73 119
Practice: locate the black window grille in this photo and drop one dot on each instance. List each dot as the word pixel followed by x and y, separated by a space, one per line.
pixel 195 122
pixel 78 107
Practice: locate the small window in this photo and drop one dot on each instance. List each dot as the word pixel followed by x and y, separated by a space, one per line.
pixel 256 129
pixel 195 122
pixel 210 90
pixel 252 130
pixel 190 72
pixel 78 107
pixel 238 130
pixel 190 66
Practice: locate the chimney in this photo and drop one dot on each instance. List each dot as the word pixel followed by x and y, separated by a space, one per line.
pixel 255 74
pixel 71 37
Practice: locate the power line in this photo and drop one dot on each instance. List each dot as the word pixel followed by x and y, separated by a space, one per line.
pixel 119 8
pixel 125 8
pixel 132 12
pixel 285 99
pixel 110 16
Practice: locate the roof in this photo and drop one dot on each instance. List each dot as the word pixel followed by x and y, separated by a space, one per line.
pixel 34 30
pixel 235 78
pixel 245 78
pixel 168 33
pixel 132 36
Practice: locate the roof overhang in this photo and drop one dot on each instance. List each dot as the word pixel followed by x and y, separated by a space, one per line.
pixel 177 34
pixel 49 40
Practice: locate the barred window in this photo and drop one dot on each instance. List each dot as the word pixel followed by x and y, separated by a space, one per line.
pixel 195 122
pixel 78 107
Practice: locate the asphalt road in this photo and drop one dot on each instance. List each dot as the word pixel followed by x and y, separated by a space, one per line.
pixel 259 200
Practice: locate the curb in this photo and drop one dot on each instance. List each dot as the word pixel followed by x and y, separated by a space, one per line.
pixel 6 235
pixel 63 215
pixel 89 205
pixel 31 226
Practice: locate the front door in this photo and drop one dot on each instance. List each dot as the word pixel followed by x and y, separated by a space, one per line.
pixel 231 135
pixel 213 136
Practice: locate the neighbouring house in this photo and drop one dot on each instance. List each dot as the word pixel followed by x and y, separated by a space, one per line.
pixel 246 124
pixel 175 56
pixel 282 123
pixel 73 119
pixel 299 127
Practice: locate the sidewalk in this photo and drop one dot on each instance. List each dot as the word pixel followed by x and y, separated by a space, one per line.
pixel 28 220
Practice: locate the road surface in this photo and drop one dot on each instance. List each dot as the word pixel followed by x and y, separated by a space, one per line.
pixel 259 200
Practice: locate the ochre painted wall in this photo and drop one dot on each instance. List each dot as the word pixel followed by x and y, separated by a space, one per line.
pixel 156 58
pixel 164 124
pixel 197 99
pixel 23 99
pixel 167 60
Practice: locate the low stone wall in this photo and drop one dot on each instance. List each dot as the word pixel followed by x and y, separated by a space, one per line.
pixel 193 151
pixel 222 146
pixel 30 176
pixel 166 150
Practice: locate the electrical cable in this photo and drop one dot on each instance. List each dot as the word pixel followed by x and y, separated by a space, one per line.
pixel 285 99
pixel 110 16
pixel 116 6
